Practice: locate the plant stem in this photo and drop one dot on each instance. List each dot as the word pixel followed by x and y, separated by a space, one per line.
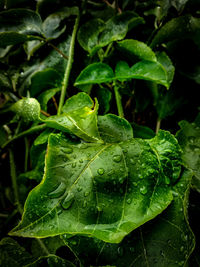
pixel 107 50
pixel 118 102
pixel 58 50
pixel 14 181
pixel 158 125
pixel 26 154
pixel 69 66
pixel 27 132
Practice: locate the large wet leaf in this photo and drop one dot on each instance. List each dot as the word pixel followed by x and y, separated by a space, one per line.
pixel 101 190
pixel 96 33
pixel 189 140
pixel 165 241
pixel 19 25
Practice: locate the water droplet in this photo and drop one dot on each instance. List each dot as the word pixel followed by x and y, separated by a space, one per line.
pixel 184 237
pixel 117 158
pixel 120 251
pixel 129 200
pixel 135 184
pixel 81 160
pixel 191 139
pixel 67 150
pixel 79 188
pixel 58 192
pixel 67 202
pixel 100 171
pixel 143 190
pixel 140 176
pixel 73 164
pixel 86 193
pixel 84 204
pixel 73 242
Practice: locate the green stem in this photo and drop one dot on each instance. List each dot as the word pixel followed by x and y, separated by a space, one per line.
pixel 69 66
pixel 107 50
pixel 26 154
pixel 158 125
pixel 14 181
pixel 27 132
pixel 119 102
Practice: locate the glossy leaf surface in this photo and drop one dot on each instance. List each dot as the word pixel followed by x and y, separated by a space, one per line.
pixel 96 33
pixel 19 25
pixel 82 181
pixel 136 48
pixel 165 241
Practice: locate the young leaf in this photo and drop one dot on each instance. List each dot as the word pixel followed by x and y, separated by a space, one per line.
pixel 165 241
pixel 104 96
pixel 136 48
pixel 19 25
pixel 114 129
pixel 95 73
pixel 46 96
pixel 81 180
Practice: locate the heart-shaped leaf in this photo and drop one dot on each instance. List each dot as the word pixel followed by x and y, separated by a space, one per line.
pixel 101 190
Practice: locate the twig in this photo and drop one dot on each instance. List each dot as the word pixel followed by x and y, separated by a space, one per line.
pixel 14 181
pixel 58 50
pixel 107 3
pixel 45 113
pixel 55 103
pixel 69 66
pixel 27 132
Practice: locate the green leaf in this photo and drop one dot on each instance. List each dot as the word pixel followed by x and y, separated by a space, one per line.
pixel 189 140
pixel 114 129
pixel 44 97
pixel 104 96
pixel 4 83
pixel 53 25
pixel 19 25
pixel 117 27
pixel 178 28
pixel 43 80
pixel 142 131
pixel 31 47
pixel 165 61
pixel 80 121
pixel 165 241
pixel 101 190
pixel 88 35
pixel 96 34
pixel 12 254
pixel 51 260
pixel 95 73
pixel 136 48
pixel 150 71
pixel 102 73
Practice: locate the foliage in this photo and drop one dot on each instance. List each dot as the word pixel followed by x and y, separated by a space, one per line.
pixel 99 134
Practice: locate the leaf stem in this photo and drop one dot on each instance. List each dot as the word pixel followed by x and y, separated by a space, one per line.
pixel 14 181
pixel 58 50
pixel 118 101
pixel 69 66
pixel 27 132
pixel 42 245
pixel 158 125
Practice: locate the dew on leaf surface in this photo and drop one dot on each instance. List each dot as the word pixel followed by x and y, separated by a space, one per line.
pixel 143 190
pixel 100 171
pixel 58 192
pixel 117 158
pixel 67 202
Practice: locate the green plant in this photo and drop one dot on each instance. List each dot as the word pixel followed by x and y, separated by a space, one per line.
pixel 85 89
